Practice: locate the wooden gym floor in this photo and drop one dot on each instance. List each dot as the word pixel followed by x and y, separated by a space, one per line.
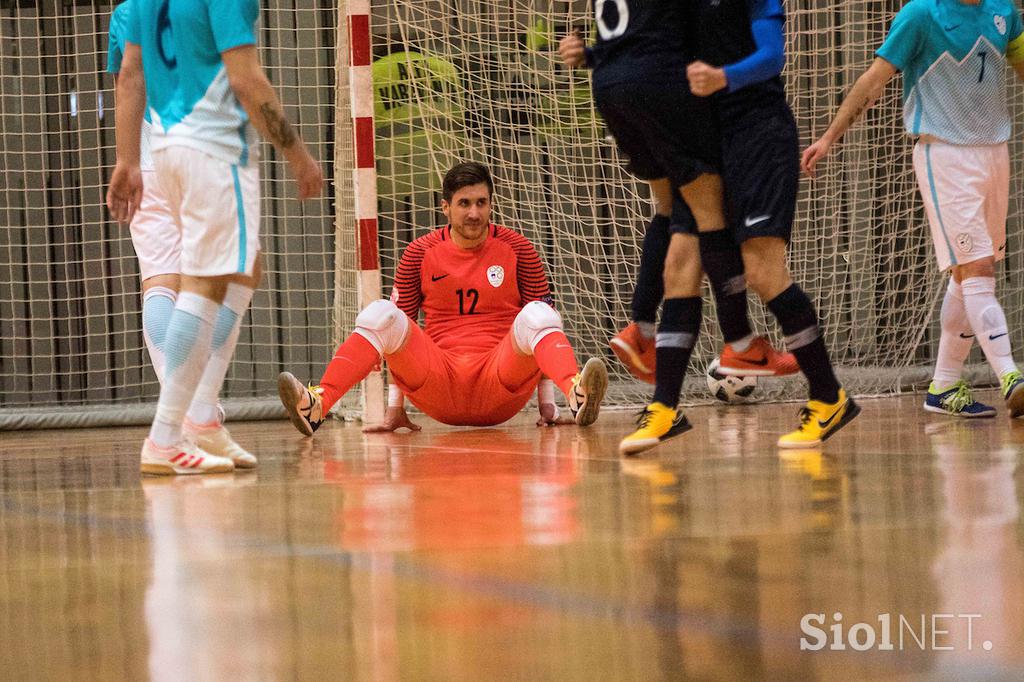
pixel 522 553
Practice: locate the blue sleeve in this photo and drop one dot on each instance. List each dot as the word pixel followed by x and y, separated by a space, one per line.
pixel 767 60
pixel 132 25
pixel 233 22
pixel 765 9
pixel 588 57
pixel 114 54
pixel 906 37
pixel 115 44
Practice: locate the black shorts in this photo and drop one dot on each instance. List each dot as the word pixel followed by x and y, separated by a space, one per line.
pixel 664 130
pixel 761 173
pixel 682 220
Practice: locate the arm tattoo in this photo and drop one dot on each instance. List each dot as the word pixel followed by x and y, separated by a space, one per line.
pixel 855 114
pixel 278 128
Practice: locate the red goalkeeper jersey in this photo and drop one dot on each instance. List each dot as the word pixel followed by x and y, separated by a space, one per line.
pixel 469 297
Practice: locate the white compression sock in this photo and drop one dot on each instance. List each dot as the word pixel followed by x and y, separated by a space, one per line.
pixel 956 340
pixel 157 306
pixel 225 337
pixel 187 351
pixel 988 322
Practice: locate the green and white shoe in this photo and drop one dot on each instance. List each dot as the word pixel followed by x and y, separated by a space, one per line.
pixel 1012 384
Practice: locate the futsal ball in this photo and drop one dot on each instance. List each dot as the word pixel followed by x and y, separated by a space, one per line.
pixel 727 388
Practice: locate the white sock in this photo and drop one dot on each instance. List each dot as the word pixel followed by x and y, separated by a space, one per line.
pixel 988 322
pixel 225 337
pixel 956 340
pixel 157 306
pixel 187 351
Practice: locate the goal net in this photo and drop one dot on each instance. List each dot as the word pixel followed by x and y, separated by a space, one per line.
pixel 71 345
pixel 456 79
pixel 453 80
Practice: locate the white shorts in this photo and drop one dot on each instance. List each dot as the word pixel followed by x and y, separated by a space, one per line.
pixel 966 193
pixel 217 207
pixel 155 233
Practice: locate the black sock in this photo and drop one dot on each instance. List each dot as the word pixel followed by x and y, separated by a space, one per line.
pixel 720 257
pixel 650 282
pixel 677 335
pixel 799 322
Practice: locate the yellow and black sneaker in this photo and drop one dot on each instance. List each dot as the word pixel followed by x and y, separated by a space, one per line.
pixel 818 421
pixel 657 423
pixel 588 389
pixel 302 404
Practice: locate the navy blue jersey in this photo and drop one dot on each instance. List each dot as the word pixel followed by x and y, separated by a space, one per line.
pixel 647 40
pixel 726 37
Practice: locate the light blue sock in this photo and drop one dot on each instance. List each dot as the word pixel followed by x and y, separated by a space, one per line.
pixel 157 306
pixel 203 409
pixel 187 352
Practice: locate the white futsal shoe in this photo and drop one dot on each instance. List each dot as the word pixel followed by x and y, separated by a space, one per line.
pixel 216 440
pixel 183 458
pixel 588 389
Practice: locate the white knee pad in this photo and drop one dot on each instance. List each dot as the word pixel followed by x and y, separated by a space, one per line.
pixel 384 325
pixel 535 321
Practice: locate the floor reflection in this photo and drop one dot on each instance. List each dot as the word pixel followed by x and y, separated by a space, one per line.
pixel 514 552
pixel 979 570
pixel 481 488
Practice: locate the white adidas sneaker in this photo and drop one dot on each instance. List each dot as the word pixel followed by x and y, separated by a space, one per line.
pixel 217 440
pixel 183 458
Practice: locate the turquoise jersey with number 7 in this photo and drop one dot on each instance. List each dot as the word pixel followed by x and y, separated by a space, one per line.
pixel 953 57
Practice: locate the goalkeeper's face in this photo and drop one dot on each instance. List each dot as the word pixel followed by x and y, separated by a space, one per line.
pixel 469 213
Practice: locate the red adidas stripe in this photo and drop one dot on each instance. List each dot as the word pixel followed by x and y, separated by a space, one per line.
pixel 177 456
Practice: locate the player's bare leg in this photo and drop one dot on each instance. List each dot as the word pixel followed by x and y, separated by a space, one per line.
pixel 677 336
pixel 744 353
pixel 987 320
pixel 829 407
pixel 681 316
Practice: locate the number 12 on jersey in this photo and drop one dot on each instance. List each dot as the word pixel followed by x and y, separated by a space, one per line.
pixel 470 295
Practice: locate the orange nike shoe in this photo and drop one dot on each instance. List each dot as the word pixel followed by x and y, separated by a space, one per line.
pixel 636 353
pixel 760 360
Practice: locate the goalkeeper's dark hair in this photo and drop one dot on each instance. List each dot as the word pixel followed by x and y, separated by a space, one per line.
pixel 463 175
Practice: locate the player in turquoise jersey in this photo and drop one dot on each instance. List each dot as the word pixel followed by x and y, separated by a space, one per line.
pixel 953 56
pixel 155 236
pixel 195 63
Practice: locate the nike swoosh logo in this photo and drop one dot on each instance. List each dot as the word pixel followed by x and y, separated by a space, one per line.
pixel 562 345
pixel 966 336
pixel 763 362
pixel 997 336
pixel 950 28
pixel 825 424
pixel 750 222
pixel 434 278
